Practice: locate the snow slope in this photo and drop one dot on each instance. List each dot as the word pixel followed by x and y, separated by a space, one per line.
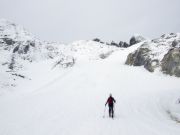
pixel 20 50
pixel 70 101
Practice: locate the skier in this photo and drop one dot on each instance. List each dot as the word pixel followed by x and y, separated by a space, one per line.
pixel 110 102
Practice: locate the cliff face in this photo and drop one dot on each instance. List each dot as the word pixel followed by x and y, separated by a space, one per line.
pixel 160 53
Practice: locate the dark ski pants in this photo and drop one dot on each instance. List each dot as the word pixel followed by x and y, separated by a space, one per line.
pixel 111 111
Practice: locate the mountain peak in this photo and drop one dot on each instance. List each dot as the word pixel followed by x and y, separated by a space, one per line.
pixel 13 31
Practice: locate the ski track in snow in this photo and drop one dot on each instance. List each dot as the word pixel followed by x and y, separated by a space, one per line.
pixel 72 102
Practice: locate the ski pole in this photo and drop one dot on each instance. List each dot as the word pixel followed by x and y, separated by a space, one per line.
pixel 104 111
pixel 114 110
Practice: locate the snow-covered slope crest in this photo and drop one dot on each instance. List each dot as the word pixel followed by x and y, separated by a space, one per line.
pixel 163 52
pixel 91 50
pixel 13 31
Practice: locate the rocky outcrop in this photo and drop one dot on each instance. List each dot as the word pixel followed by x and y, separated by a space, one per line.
pixel 65 62
pixel 141 58
pixel 8 41
pixel 96 40
pixel 136 39
pixel 169 36
pixel 176 43
pixel 171 62
pixel 138 58
pixel 151 65
pixel 24 47
pixel 105 55
pixel 113 43
pixel 163 52
pixel 123 44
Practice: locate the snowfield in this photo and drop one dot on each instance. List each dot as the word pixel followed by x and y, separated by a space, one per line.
pixel 71 101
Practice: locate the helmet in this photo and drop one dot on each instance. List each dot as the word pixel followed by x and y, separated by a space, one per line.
pixel 110 95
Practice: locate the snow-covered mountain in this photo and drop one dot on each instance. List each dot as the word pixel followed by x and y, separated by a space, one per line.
pixel 19 49
pixel 54 88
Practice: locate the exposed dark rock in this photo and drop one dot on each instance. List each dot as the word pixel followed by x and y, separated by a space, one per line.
pixel 150 65
pixel 136 39
pixel 16 49
pixel 19 75
pixel 65 62
pixel 114 44
pixel 138 58
pixel 141 58
pixel 176 43
pixel 23 48
pixel 132 41
pixel 123 44
pixel 12 63
pixel 105 55
pixel 126 45
pixel 101 42
pixel 8 41
pixel 97 40
pixel 163 52
pixel 31 43
pixel 168 36
pixel 155 40
pixel 171 62
pixel 26 49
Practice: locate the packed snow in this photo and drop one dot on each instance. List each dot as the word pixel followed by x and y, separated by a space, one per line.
pixel 71 101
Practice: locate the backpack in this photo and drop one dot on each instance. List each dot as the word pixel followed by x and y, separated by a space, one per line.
pixel 110 100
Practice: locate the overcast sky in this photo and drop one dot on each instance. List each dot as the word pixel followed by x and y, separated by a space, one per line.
pixel 69 20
